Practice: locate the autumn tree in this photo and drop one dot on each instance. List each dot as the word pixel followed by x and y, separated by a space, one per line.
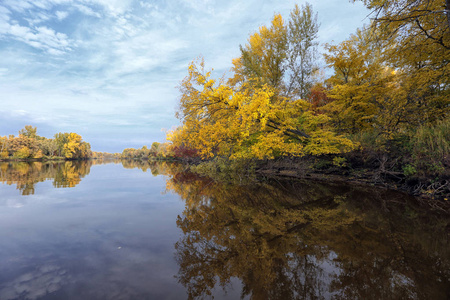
pixel 357 68
pixel 264 57
pixel 49 147
pixel 4 147
pixel 248 122
pixel 76 147
pixel 282 55
pixel 61 139
pixel 416 36
pixel 257 113
pixel 24 147
pixel 28 145
pixel 29 131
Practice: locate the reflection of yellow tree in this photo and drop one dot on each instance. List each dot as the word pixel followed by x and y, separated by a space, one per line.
pixel 278 239
pixel 26 175
pixel 23 174
pixel 71 172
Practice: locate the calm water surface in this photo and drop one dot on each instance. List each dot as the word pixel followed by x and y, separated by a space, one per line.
pixel 86 230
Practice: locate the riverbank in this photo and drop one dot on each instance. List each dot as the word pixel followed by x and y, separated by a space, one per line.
pixel 42 159
pixel 354 168
pixel 434 192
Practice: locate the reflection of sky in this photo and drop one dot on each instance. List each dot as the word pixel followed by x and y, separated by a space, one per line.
pixel 110 237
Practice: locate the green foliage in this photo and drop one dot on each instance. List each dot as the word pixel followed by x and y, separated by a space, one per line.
pixel 409 170
pixel 340 162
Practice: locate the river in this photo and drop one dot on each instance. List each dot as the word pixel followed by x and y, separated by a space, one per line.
pixel 93 230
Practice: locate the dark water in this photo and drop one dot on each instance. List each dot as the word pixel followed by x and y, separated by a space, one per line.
pixel 153 231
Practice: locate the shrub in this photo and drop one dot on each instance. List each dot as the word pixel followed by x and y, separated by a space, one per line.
pixel 409 170
pixel 340 162
pixel 430 145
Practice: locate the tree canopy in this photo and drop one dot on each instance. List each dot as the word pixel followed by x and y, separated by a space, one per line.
pixel 259 112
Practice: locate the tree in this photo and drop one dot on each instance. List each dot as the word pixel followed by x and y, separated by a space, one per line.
pixel 49 147
pixel 429 19
pixel 358 66
pixel 264 57
pixel 23 147
pixel 61 139
pixel 302 33
pixel 257 113
pixel 416 36
pixel 29 131
pixel 4 147
pixel 249 121
pixel 76 148
pixel 281 56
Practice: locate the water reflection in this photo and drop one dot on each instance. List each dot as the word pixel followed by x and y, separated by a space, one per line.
pixel 111 237
pixel 270 240
pixel 25 175
pixel 306 240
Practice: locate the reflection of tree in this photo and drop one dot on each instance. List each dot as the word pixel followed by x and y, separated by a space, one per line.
pixel 26 174
pixel 156 167
pixel 306 241
pixel 69 173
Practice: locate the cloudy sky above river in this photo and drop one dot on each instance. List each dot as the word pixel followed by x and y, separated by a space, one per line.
pixel 109 69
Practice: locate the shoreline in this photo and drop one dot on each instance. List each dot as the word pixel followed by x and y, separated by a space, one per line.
pixel 423 189
pixel 433 195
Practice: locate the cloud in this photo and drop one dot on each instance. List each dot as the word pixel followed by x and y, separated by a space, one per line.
pixel 115 7
pixel 61 15
pixel 40 37
pixel 19 6
pixel 87 10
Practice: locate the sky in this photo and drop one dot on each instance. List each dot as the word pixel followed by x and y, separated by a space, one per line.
pixel 109 69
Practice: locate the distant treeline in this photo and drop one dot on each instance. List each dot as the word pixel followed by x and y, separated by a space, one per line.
pixel 105 155
pixel 156 151
pixel 28 145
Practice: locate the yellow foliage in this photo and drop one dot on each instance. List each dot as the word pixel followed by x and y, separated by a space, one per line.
pixel 4 154
pixel 248 122
pixel 76 148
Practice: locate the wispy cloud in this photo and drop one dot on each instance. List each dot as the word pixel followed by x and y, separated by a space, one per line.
pixel 61 15
pixel 87 10
pixel 41 37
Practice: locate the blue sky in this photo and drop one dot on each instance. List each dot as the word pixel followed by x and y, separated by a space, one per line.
pixel 109 69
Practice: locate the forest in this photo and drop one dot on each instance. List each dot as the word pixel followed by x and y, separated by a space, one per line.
pixel 384 106
pixel 30 146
